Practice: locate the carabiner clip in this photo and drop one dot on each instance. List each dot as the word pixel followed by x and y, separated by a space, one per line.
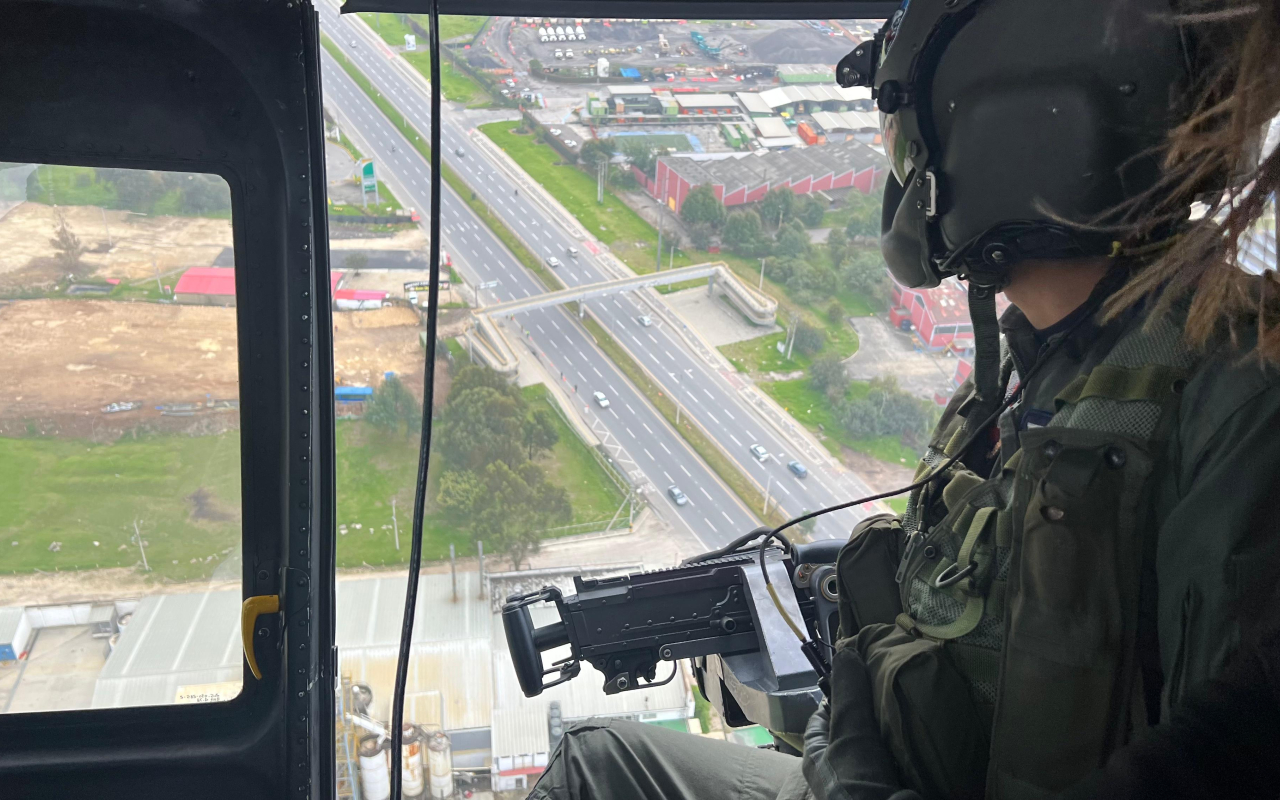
pixel 953 575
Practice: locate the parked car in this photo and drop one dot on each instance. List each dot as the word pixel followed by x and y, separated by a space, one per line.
pixel 570 143
pixel 568 53
pixel 798 469
pixel 555 131
pixel 677 496
pixel 645 320
pixel 572 251
pixel 553 262
pixel 759 452
pixel 600 399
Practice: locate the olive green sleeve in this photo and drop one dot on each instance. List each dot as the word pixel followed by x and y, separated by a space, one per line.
pixel 1218 550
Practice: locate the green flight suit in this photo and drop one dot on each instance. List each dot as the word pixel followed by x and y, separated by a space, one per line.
pixel 1121 529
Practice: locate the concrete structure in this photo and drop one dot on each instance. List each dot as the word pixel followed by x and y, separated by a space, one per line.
pixel 707 104
pixel 15 633
pixel 747 178
pixel 840 125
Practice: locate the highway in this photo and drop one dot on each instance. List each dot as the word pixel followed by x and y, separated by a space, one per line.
pixel 714 514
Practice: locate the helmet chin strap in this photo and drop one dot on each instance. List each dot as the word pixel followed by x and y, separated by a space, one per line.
pixel 986 344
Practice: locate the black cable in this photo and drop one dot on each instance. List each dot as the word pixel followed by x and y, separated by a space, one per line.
pixel 428 395
pixel 733 547
pixel 936 471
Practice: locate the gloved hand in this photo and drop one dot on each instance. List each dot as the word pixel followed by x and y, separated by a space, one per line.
pixel 844 757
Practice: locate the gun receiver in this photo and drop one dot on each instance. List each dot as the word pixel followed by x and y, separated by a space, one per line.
pixel 715 611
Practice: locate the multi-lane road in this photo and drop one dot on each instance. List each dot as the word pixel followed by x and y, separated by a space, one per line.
pixel 645 444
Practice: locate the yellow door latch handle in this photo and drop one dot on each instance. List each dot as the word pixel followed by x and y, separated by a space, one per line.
pixel 249 612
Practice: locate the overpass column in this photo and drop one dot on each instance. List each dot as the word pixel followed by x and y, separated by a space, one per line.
pixel 711 285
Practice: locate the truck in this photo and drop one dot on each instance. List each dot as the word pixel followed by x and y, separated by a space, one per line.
pixel 664 46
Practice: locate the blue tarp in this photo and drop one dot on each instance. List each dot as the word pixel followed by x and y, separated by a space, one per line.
pixel 352 394
pixel 630 72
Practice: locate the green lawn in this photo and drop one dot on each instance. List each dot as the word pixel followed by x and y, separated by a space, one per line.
pixel 629 236
pixel 813 410
pixel 392 28
pixel 59 184
pixel 456 85
pixel 185 493
pixel 388 207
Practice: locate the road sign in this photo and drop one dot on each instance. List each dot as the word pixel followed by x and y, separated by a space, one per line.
pixel 368 181
pixel 410 42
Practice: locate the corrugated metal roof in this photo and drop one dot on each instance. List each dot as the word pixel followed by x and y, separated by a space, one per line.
pixel 172 640
pixel 521 730
pixel 9 619
pixel 705 101
pixel 772 127
pixel 753 103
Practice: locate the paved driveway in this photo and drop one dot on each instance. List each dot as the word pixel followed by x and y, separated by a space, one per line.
pixel 883 351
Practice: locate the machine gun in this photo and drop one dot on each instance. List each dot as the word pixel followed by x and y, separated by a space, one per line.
pixel 715 609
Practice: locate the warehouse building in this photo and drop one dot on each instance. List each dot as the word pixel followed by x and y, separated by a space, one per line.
pixel 791 74
pixel 794 100
pixel 707 104
pixel 186 648
pixel 746 178
pixel 840 125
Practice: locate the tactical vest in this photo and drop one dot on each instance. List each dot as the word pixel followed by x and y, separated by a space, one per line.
pixel 1028 588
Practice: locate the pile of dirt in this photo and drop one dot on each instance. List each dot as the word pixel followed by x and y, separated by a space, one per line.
pixel 800 45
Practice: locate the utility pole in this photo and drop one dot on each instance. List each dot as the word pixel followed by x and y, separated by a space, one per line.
pixel 105 227
pixel 791 339
pixel 760 287
pixel 480 547
pixel 765 510
pixel 602 170
pixel 453 571
pixel 659 266
pixel 677 412
pixel 395 525
pixel 138 535
pixel 671 264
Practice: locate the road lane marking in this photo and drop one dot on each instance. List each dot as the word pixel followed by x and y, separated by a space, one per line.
pixel 709 525
pixel 647 453
pixel 664 447
pixel 726 516
pixel 629 433
pixel 647 428
pixel 735 440
pixel 705 492
pixel 686 472
pixel 713 418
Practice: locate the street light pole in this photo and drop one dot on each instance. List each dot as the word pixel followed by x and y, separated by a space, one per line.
pixel 138 535
pixel 765 510
pixel 760 286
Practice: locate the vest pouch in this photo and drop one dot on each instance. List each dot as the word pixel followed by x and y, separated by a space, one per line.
pixel 927 714
pixel 865 569
pixel 1071 611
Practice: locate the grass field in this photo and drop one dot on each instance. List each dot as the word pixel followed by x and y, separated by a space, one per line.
pixel 185 493
pixel 813 410
pixel 60 184
pixel 392 28
pixel 456 86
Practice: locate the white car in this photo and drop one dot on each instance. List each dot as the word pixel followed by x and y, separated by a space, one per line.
pixel 759 452
pixel 570 143
pixel 600 399
pixel 553 262
pixel 555 131
pixel 645 320
pixel 572 251
pixel 568 53
pixel 353 42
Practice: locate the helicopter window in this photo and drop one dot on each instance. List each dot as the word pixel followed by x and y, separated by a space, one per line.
pixel 119 435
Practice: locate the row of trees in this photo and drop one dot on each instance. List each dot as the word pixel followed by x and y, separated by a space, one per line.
pixel 488 439
pixel 885 410
pixel 776 229
pixel 141 190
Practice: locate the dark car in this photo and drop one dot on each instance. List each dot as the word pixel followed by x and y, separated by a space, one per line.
pixel 798 469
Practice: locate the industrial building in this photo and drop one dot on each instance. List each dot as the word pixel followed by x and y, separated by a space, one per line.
pixel 840 125
pixel 809 98
pixel 186 648
pixel 746 178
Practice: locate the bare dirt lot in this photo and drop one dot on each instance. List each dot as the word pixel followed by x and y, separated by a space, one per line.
pixel 119 244
pixel 67 359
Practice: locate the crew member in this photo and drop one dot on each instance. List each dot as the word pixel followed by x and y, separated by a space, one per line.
pixel 1100 533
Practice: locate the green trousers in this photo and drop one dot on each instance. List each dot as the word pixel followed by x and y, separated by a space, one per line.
pixel 612 759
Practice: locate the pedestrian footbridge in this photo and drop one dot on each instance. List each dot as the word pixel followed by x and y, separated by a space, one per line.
pixel 487 342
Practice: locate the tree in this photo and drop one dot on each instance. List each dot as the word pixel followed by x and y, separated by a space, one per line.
pixel 811 283
pixel 808 339
pixel 204 194
pixel 837 246
pixel 393 406
pixel 539 432
pixel 515 507
pixel 792 243
pixel 778 206
pixel 477 375
pixel 702 205
pixel 535 66
pixel 864 219
pixel 480 426
pixel 136 189
pixel 828 375
pixel 66 244
pixel 595 152
pixel 700 235
pixel 640 155
pixel 886 410
pixel 810 212
pixel 744 234
pixel 355 261
pixel 834 312
pixel 864 272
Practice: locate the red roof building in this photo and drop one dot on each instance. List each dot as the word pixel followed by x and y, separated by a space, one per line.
pixel 939 317
pixel 358 299
pixel 216 286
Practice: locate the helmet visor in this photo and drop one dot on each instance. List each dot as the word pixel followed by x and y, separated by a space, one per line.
pixel 895 146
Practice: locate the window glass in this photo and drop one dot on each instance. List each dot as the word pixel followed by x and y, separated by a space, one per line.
pixel 120 511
